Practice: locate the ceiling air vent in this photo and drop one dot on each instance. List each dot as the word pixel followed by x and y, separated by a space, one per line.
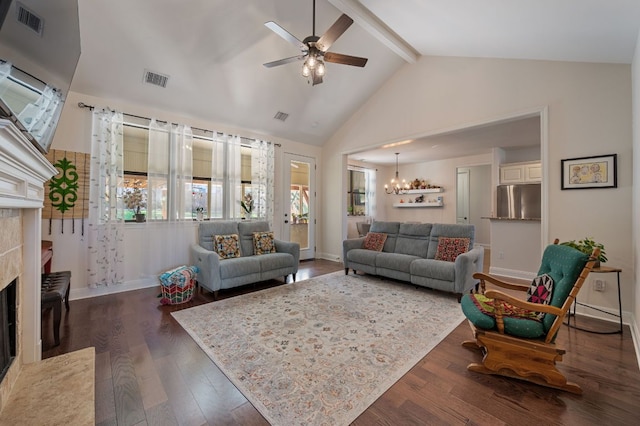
pixel 281 116
pixel 155 78
pixel 30 19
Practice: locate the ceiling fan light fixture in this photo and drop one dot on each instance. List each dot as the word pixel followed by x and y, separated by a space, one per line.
pixel 320 68
pixel 311 61
pixel 306 72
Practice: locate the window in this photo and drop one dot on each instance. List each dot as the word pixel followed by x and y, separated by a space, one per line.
pixel 356 193
pixel 215 187
pixel 300 203
pixel 135 142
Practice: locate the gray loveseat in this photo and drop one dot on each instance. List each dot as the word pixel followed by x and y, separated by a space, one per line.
pixel 409 255
pixel 216 273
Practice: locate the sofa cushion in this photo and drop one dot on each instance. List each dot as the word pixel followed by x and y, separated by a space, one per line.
pixel 246 228
pixel 207 231
pixel 413 239
pixel 436 269
pixel 227 246
pixel 362 256
pixel 263 243
pixel 389 228
pixel 450 231
pixel 395 261
pixel 240 266
pixel 275 261
pixel 450 248
pixel 374 241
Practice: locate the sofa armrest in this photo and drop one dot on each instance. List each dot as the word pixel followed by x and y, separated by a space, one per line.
pixel 350 244
pixel 465 266
pixel 291 248
pixel 208 263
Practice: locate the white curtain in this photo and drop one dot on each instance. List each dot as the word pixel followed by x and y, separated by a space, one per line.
pixel 234 176
pixel 169 171
pixel 106 220
pixel 158 171
pixel 370 192
pixel 181 155
pixel 262 179
pixel 216 198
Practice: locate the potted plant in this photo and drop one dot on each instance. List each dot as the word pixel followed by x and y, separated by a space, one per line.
pixel 199 214
pixel 135 199
pixel 247 204
pixel 586 246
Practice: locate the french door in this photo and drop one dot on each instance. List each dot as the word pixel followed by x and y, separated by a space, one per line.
pixel 299 214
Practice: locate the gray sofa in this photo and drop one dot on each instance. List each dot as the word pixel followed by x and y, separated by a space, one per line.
pixel 217 274
pixel 409 255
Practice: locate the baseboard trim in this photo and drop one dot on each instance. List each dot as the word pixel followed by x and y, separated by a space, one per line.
pixel 512 273
pixel 87 292
pixel 329 256
pixel 635 335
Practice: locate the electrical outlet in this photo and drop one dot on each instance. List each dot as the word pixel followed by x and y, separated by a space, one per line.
pixel 598 285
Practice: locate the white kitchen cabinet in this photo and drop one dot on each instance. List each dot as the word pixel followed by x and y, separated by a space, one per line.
pixel 530 172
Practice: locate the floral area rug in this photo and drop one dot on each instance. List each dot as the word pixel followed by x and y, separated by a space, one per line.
pixel 319 352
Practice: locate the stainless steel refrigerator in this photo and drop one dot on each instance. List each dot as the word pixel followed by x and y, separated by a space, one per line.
pixel 520 201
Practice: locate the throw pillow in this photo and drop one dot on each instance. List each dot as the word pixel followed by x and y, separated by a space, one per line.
pixel 374 241
pixel 450 248
pixel 263 243
pixel 227 246
pixel 540 291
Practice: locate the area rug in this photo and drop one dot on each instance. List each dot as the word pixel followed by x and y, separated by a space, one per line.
pixel 319 352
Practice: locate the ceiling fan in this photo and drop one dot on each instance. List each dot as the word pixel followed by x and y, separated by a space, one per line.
pixel 315 49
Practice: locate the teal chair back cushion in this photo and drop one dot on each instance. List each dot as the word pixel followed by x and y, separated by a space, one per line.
pixel 564 265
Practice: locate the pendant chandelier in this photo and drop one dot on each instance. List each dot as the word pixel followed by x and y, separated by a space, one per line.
pixel 397 187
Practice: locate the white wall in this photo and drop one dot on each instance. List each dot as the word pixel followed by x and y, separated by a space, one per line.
pixel 480 203
pixel 441 173
pixel 163 247
pixel 636 196
pixel 589 111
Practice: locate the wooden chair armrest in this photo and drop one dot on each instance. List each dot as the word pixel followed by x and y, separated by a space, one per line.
pixel 493 280
pixel 535 307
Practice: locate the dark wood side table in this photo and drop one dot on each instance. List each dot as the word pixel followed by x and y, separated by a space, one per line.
pixel 599 270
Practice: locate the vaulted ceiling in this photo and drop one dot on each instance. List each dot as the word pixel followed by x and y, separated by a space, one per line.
pixel 213 51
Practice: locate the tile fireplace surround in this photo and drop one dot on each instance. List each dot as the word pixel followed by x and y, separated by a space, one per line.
pixel 23 172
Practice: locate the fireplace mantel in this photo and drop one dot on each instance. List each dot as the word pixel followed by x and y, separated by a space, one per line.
pixel 23 169
pixel 23 173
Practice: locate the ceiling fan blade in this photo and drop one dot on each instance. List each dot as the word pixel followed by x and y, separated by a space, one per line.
pixel 332 34
pixel 286 35
pixel 338 58
pixel 317 79
pixel 284 61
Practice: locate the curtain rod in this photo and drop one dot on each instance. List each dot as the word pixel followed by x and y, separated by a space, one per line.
pixel 91 108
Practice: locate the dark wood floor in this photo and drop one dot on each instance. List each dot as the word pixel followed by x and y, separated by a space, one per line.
pixel 150 372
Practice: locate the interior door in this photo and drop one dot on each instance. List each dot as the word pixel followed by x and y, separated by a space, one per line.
pixel 299 215
pixel 462 196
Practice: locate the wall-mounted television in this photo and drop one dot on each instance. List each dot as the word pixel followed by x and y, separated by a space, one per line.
pixel 39 52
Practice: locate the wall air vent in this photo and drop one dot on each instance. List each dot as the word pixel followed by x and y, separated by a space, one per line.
pixel 155 78
pixel 281 116
pixel 30 19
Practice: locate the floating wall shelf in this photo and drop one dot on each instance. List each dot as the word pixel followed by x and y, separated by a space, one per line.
pixel 414 205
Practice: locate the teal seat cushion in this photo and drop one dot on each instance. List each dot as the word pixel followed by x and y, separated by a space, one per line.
pixel 513 326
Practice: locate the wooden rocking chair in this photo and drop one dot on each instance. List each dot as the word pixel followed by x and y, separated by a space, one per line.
pixel 514 341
